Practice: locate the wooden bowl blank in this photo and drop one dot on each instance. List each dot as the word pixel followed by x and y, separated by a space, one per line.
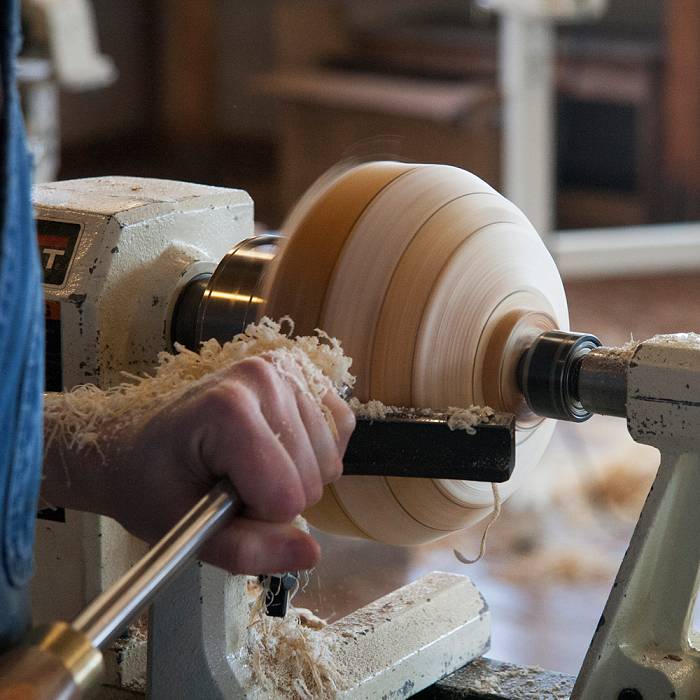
pixel 435 284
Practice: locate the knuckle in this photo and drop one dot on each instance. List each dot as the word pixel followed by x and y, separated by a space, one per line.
pixel 226 400
pixel 257 369
pixel 263 379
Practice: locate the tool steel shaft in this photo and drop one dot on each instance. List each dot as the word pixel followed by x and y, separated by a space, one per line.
pixel 107 616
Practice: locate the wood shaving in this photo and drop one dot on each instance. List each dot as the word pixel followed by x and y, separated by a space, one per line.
pixel 495 514
pixel 457 418
pixel 467 418
pixel 286 656
pixel 80 416
pixel 290 659
pixel 372 409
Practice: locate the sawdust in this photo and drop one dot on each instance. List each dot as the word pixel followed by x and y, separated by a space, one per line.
pixel 558 564
pixel 680 339
pixel 131 648
pixel 289 659
pixel 498 679
pixel 619 488
pixel 576 532
pixel 81 416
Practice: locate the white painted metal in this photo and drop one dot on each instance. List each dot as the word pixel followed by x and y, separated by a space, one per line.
pixel 140 240
pixel 393 647
pixel 409 639
pixel 643 641
pixel 527 50
pixel 526 73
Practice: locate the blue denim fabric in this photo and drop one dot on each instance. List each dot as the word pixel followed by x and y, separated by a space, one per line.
pixel 21 348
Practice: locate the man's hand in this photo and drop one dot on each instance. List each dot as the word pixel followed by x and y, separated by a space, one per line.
pixel 252 425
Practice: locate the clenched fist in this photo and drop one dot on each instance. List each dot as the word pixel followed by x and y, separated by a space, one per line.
pixel 253 424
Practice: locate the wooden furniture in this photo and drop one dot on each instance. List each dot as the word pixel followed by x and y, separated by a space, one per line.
pixel 609 146
pixel 328 117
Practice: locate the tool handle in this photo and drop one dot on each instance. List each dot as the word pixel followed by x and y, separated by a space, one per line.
pixel 106 617
pixel 67 660
pixel 56 663
pixel 31 673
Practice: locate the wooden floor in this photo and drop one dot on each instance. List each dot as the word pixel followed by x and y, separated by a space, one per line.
pixel 552 556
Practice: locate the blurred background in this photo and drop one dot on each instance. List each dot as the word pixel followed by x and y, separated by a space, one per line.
pixel 598 113
pixel 267 95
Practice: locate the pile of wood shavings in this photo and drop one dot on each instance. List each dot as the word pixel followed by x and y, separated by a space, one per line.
pixel 617 487
pixel 288 657
pixel 78 417
pixel 572 563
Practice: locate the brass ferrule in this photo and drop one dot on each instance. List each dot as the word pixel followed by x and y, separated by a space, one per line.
pixel 74 650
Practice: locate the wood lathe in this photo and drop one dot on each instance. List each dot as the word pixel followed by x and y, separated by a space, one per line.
pixel 444 295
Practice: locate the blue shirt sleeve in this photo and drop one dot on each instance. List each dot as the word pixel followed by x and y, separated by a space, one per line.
pixel 21 348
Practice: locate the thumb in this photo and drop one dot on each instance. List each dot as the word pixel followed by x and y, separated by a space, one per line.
pixel 246 546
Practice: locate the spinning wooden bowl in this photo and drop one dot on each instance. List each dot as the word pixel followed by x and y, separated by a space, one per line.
pixel 435 284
